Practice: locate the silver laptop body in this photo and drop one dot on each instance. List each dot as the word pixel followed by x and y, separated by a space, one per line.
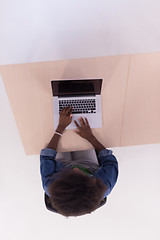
pixel 83 95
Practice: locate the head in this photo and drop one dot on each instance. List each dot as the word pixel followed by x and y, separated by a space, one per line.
pixel 73 193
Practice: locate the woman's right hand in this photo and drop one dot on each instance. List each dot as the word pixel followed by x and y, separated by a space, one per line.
pixel 84 129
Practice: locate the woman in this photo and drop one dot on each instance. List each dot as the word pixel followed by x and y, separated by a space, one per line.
pixel 77 182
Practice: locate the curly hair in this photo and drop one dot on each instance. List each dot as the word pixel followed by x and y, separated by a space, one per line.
pixel 75 194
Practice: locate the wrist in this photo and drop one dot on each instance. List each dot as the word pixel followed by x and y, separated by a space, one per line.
pixel 60 129
pixel 96 144
pixel 90 138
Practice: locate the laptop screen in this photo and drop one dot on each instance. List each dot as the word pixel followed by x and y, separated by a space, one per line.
pixel 66 88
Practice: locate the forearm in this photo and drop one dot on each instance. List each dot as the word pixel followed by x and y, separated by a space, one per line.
pixel 55 139
pixel 96 144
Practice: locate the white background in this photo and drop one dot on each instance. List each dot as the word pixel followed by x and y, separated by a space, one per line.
pixel 41 30
pixel 50 30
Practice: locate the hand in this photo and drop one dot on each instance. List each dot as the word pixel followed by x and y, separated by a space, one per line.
pixel 84 130
pixel 65 117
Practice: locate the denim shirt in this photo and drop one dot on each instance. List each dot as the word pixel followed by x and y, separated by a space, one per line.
pixel 107 171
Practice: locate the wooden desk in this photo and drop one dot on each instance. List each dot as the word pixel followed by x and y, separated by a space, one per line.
pixel 130 99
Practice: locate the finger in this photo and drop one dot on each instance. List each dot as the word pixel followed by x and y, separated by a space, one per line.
pixel 82 122
pixel 76 124
pixel 70 116
pixel 61 112
pixel 87 122
pixel 72 108
pixel 68 110
pixel 64 110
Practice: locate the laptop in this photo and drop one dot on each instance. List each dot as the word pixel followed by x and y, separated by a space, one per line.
pixel 83 95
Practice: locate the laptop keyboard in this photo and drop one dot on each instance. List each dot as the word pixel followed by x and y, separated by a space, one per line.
pixel 79 105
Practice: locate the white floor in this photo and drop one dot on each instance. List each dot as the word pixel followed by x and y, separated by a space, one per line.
pixel 132 210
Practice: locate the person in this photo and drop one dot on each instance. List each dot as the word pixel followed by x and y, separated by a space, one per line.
pixel 77 186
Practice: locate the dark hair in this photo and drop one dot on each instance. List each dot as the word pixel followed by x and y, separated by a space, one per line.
pixel 75 194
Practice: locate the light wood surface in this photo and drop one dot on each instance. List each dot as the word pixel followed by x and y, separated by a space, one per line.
pixel 141 123
pixel 130 99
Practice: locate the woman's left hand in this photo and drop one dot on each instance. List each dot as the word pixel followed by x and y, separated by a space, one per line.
pixel 65 117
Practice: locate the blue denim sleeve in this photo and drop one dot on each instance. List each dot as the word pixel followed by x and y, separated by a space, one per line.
pixel 108 170
pixel 48 166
